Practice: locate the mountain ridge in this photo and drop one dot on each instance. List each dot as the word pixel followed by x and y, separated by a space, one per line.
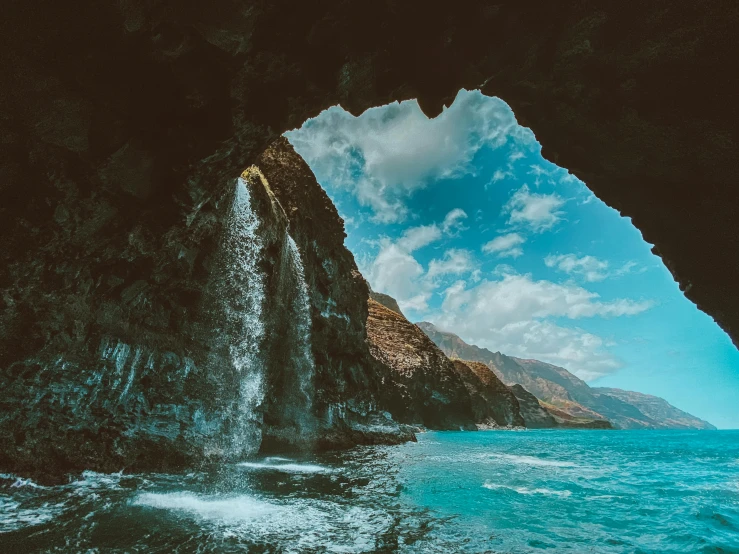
pixel 564 392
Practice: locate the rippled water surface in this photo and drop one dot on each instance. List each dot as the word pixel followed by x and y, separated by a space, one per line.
pixel 573 491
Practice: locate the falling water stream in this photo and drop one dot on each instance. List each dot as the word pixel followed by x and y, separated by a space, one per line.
pixel 302 364
pixel 243 293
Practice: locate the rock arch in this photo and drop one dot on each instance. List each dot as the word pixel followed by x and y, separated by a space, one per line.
pixel 123 123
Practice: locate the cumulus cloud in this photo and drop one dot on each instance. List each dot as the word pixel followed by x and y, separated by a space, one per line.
pixel 395 270
pixel 387 153
pixel 513 315
pixel 505 246
pixel 454 262
pixel 590 268
pixel 414 238
pixel 537 212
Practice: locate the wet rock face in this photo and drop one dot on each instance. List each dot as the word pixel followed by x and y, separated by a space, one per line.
pixel 271 352
pixel 423 386
pixel 346 385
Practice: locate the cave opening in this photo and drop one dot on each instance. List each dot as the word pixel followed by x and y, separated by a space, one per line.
pixel 463 222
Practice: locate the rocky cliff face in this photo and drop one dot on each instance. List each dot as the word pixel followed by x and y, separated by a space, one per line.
pixel 493 404
pixel 534 414
pixel 551 384
pixel 424 387
pixel 270 352
pixel 386 300
pixel 343 392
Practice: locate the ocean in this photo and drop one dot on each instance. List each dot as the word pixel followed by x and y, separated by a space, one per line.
pixel 488 491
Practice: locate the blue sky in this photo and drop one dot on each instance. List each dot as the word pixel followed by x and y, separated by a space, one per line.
pixel 467 226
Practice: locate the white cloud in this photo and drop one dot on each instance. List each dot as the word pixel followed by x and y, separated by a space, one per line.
pixel 453 221
pixel 414 238
pixel 590 268
pixel 515 156
pixel 454 262
pixel 387 153
pixel 498 175
pixel 395 270
pixel 513 314
pixel 505 246
pixel 538 212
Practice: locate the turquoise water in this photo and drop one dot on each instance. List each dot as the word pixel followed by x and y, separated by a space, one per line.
pixel 497 491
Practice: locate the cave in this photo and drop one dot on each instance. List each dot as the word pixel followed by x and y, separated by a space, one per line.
pixel 124 125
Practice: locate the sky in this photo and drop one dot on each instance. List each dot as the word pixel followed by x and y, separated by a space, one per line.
pixel 466 225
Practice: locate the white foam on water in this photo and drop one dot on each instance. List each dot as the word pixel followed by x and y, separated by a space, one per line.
pixel 13 516
pixel 526 490
pixel 227 509
pixel 95 480
pixel 298 526
pixel 20 482
pixel 532 461
pixel 286 468
pixel 601 497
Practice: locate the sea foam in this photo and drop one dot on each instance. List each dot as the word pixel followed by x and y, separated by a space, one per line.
pixel 525 490
pixel 226 508
pixel 532 460
pixel 286 468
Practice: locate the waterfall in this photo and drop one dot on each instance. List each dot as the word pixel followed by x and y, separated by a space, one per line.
pixel 243 293
pixel 301 367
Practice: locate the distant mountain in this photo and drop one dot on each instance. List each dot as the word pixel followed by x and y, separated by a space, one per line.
pixel 656 408
pixel 554 385
pixel 566 396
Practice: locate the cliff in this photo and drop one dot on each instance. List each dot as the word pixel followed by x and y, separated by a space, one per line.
pixel 534 414
pixel 424 387
pixel 345 387
pixel 254 338
pixel 493 404
pixel 386 300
